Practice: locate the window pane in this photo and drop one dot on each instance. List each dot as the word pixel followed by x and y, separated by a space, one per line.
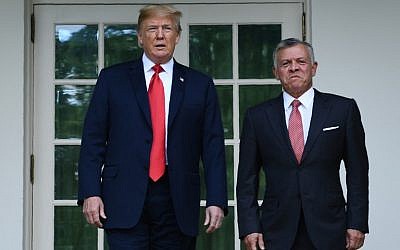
pixel 71 103
pixel 229 174
pixel 250 95
pixel 120 44
pixel 256 45
pixel 210 49
pixel 105 242
pixel 66 172
pixel 261 184
pixel 229 170
pixel 225 97
pixel 76 51
pixel 71 230
pixel 223 238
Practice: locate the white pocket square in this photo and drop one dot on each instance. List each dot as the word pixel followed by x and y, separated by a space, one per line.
pixel 330 128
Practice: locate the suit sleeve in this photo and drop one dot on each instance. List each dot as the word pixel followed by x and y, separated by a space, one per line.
pixel 213 152
pixel 93 145
pixel 356 163
pixel 247 182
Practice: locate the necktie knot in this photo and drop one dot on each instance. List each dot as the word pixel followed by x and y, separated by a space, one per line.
pixel 157 68
pixel 296 103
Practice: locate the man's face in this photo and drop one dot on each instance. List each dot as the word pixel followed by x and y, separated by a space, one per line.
pixel 158 37
pixel 295 70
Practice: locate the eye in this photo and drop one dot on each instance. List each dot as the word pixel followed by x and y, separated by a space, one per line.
pixel 284 64
pixel 151 29
pixel 167 28
pixel 302 61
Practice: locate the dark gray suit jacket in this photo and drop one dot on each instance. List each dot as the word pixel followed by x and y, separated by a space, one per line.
pixel 336 133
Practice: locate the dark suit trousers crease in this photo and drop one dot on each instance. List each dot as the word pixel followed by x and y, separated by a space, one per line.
pixel 157 228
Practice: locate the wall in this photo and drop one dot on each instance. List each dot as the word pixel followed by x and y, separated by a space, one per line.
pixel 356 45
pixel 12 123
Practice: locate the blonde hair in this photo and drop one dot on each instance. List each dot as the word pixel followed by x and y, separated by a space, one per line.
pixel 160 10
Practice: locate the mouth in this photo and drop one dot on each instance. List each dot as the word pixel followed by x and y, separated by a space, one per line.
pixel 160 46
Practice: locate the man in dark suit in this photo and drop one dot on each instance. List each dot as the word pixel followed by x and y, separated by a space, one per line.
pixel 299 140
pixel 149 123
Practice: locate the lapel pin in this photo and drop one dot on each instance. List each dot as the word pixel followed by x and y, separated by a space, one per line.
pixel 181 79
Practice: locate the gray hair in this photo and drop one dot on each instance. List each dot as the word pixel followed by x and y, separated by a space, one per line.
pixel 290 42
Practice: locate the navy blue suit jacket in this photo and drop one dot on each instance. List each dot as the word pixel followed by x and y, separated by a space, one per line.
pixel 336 133
pixel 117 135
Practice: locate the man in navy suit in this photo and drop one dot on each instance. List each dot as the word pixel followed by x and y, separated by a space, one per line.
pixel 136 211
pixel 303 206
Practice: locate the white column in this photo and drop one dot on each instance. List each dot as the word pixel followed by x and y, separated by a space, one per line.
pixel 11 123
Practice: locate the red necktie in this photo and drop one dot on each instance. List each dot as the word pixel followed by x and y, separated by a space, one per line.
pixel 157 110
pixel 296 130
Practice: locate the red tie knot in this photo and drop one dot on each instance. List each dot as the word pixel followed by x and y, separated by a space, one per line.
pixel 296 103
pixel 157 68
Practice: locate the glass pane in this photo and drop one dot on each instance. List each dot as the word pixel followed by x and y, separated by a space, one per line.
pixel 66 172
pixel 261 185
pixel 256 45
pixel 71 232
pixel 229 170
pixel 223 238
pixel 76 51
pixel 120 44
pixel 71 103
pixel 250 95
pixel 229 174
pixel 225 96
pixel 210 49
pixel 105 244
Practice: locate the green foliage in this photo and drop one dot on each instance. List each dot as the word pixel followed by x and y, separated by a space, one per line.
pixel 76 51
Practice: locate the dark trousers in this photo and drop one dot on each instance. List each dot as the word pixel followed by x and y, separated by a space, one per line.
pixel 302 240
pixel 157 228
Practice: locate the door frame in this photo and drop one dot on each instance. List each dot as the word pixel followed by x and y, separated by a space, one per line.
pixel 29 143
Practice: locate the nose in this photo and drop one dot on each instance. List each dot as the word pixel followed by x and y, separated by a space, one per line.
pixel 160 33
pixel 294 66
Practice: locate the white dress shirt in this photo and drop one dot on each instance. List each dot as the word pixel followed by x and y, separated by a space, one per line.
pixel 166 78
pixel 307 103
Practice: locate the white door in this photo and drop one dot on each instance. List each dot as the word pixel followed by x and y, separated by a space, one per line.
pixel 231 42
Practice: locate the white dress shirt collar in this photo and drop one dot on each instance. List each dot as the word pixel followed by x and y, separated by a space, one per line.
pixel 306 99
pixel 148 65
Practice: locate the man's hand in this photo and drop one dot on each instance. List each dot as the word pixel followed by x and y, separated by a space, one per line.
pixel 254 241
pixel 93 209
pixel 354 239
pixel 214 218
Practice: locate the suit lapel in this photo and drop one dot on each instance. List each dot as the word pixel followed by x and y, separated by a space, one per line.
pixel 178 81
pixel 319 115
pixel 140 90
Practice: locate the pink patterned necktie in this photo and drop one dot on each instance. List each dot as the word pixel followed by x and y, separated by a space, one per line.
pixel 157 111
pixel 296 130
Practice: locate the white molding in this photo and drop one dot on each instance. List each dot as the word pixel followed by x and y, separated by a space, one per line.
pixel 130 2
pixel 28 127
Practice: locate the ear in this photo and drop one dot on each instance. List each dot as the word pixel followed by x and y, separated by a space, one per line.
pixel 314 68
pixel 274 71
pixel 140 38
pixel 178 37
